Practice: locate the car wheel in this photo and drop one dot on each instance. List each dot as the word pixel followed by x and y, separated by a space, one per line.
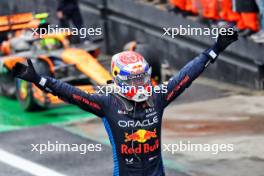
pixel 7 84
pixel 25 96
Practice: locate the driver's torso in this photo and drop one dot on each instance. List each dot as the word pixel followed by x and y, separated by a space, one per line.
pixel 135 137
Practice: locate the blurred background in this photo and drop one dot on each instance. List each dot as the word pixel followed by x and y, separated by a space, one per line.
pixel 224 106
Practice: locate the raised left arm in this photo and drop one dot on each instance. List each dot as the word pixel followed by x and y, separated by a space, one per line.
pixel 177 84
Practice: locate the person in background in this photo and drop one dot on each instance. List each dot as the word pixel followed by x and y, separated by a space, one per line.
pixel 227 13
pixel 187 7
pixel 243 14
pixel 68 11
pixel 210 9
pixel 191 7
pixel 178 5
pixel 259 37
pixel 216 13
pixel 248 21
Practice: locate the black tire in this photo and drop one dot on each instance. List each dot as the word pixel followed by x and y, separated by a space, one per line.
pixel 25 96
pixel 24 89
pixel 7 84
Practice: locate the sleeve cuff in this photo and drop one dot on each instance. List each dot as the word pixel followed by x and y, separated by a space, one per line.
pixel 43 81
pixel 212 54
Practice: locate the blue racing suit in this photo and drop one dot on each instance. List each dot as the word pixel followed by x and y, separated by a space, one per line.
pixel 134 129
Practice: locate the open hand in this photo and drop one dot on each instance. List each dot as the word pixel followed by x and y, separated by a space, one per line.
pixel 25 72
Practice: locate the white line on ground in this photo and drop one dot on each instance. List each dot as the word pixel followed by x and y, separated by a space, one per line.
pixel 26 165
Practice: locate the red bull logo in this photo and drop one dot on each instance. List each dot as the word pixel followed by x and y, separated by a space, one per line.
pixel 140 148
pixel 140 136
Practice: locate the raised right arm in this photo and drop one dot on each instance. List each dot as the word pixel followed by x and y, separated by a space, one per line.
pixel 93 103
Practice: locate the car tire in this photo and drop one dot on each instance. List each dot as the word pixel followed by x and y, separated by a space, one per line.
pixel 7 85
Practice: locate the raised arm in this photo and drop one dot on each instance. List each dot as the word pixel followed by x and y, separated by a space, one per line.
pixel 93 103
pixel 177 84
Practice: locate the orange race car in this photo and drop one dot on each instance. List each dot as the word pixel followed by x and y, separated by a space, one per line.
pixel 52 55
pixel 74 65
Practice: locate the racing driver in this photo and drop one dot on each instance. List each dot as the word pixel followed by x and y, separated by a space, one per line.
pixel 132 116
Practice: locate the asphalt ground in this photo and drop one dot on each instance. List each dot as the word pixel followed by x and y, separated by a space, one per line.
pixel 66 163
pixel 71 163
